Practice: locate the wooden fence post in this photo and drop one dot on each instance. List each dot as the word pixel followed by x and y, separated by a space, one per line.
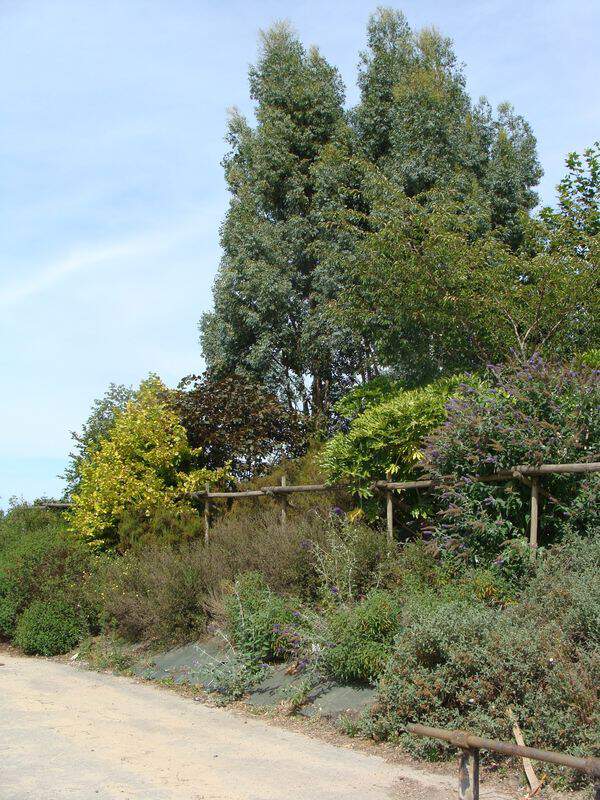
pixel 207 514
pixel 283 503
pixel 468 774
pixel 389 502
pixel 533 523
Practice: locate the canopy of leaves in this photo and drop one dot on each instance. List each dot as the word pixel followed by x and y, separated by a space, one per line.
pixel 304 226
pixel 144 463
pixel 94 429
pixel 234 422
pixel 417 123
pixel 522 414
pixel 270 292
pixel 438 291
pixel 388 438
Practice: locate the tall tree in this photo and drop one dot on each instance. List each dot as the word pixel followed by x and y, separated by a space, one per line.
pixel 416 121
pixel 442 293
pixel 270 290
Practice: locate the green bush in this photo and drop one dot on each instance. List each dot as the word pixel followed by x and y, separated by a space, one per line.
pixel 257 618
pixel 163 527
pixel 349 560
pixel 41 560
pixel 387 438
pixel 462 664
pixel 250 540
pixel 359 638
pixel 372 393
pixel 157 594
pixel 49 628
pixel 530 413
pixel 565 588
pixel 9 610
pixel 582 512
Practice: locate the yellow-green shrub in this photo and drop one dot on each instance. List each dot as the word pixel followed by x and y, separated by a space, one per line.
pixel 144 463
pixel 387 438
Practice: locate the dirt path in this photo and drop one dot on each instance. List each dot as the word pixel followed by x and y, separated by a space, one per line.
pixel 69 733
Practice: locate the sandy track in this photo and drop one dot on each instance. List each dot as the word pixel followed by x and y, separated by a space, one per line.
pixel 69 733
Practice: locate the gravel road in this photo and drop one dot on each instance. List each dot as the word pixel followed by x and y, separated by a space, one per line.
pixel 70 733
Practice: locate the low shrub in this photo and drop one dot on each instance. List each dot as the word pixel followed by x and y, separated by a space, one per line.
pixel 164 527
pixel 582 513
pixel 350 559
pixel 41 560
pixel 159 594
pixel 257 618
pixel 9 610
pixel 565 588
pixel 49 628
pixel 359 638
pixel 254 542
pixel 462 664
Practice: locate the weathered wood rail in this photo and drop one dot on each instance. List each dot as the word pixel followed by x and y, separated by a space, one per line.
pixel 470 745
pixel 526 474
pixel 529 475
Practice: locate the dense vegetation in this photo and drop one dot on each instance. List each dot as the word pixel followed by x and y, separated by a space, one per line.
pixel 388 304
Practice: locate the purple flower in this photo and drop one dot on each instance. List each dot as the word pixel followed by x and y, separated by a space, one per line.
pixel 334 590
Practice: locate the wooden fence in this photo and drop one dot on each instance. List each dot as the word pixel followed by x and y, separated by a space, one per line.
pixel 470 745
pixel 530 476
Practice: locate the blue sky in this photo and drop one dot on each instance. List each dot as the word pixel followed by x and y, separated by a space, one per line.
pixel 111 193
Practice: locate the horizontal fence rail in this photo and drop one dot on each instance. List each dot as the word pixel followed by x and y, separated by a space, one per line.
pixel 470 745
pixel 526 474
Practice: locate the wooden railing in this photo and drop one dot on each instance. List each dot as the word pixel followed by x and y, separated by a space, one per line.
pixel 530 476
pixel 470 745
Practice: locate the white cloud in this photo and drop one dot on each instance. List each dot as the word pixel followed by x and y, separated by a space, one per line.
pixel 87 257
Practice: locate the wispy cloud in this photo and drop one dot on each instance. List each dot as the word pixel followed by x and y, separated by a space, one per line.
pixel 86 257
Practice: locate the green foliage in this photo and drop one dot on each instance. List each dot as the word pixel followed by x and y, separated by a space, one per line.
pixel 272 289
pixel 359 638
pixel 349 560
pixel 462 664
pixel 233 676
pixel 156 594
pixel 9 610
pixel 237 424
pixel 417 123
pixel 144 463
pixel 582 510
pixel 41 560
pixel 591 358
pixel 94 429
pixel 388 438
pixel 368 394
pixel 304 300
pixel 437 289
pixel 565 588
pixel 164 527
pixel 529 413
pixel 579 191
pixel 49 628
pixel 256 618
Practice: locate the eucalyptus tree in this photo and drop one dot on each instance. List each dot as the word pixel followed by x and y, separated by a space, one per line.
pixel 416 121
pixel 272 287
